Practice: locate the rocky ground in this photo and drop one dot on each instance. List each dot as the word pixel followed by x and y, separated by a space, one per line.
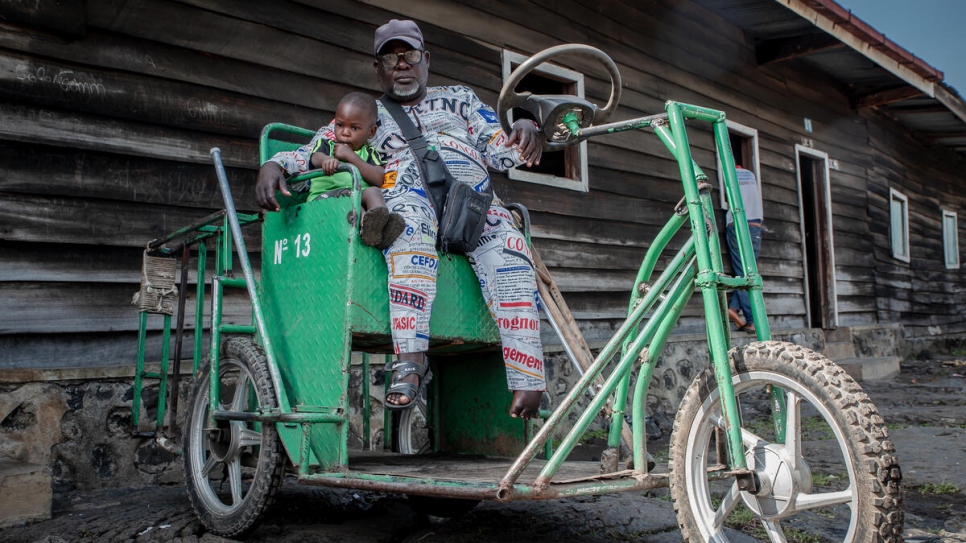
pixel 925 407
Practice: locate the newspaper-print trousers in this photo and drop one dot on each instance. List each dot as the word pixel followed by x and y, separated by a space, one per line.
pixel 504 267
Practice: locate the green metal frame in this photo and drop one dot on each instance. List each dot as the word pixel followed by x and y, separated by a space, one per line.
pixel 312 412
pixel 194 235
pixel 703 247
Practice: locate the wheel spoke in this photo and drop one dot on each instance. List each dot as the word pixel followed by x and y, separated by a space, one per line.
pixel 210 464
pixel 774 531
pixel 728 503
pixel 793 429
pixel 748 439
pixel 825 499
pixel 240 399
pixel 249 438
pixel 235 481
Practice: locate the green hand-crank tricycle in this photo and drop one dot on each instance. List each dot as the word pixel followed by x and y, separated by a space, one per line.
pixel 772 427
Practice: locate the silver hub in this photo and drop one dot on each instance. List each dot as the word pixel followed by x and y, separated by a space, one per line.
pixel 224 444
pixel 778 482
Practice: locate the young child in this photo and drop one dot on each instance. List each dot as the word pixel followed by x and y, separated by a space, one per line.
pixel 354 123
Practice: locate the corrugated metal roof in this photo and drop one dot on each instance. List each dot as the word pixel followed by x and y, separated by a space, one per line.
pixel 876 71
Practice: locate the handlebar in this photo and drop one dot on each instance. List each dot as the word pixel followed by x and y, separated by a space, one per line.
pixel 305 177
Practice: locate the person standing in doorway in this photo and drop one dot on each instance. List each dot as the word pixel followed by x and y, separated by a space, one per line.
pixel 739 306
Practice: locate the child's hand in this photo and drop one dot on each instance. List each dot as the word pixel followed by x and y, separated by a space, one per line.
pixel 343 152
pixel 329 164
pixel 317 158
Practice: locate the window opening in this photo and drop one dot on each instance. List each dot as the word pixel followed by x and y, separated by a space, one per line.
pixel 950 239
pixel 899 224
pixel 567 168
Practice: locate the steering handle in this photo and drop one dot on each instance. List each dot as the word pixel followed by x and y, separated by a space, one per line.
pixel 510 99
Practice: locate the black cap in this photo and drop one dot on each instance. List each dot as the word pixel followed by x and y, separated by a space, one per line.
pixel 395 29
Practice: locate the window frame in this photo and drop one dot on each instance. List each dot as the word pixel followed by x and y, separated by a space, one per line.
pixel 509 58
pixel 904 252
pixel 951 263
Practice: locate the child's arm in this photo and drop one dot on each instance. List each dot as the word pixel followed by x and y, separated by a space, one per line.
pixel 373 174
pixel 322 161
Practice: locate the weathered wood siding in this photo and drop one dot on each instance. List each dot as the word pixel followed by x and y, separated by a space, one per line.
pixel 923 295
pixel 108 110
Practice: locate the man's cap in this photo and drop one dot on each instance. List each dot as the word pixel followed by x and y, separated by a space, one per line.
pixel 395 29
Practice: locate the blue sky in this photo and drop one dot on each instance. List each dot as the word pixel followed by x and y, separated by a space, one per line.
pixel 933 30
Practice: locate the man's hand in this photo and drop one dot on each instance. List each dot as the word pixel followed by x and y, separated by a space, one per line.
pixel 270 179
pixel 528 140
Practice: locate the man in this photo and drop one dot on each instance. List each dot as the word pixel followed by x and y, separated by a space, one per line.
pixel 751 199
pixel 467 134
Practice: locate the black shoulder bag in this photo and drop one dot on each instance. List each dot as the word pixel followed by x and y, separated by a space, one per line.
pixel 460 210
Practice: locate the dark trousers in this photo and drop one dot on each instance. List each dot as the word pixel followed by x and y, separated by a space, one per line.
pixel 739 298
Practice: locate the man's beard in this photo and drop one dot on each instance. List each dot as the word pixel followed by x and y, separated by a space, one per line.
pixel 405 91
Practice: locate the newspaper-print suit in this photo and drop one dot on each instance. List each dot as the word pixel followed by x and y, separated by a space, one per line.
pixel 467 134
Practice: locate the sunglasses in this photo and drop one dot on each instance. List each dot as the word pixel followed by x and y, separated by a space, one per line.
pixel 391 60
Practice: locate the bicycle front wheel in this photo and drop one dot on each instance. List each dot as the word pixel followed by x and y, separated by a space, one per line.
pixel 831 471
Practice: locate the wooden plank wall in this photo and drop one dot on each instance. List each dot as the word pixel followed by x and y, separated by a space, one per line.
pixel 105 129
pixel 922 294
pixel 675 50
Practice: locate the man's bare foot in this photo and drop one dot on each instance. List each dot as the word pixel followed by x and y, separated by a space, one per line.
pixel 526 404
pixel 402 399
pixel 736 318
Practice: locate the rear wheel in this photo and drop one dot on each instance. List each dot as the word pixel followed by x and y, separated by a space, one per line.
pixel 410 429
pixel 833 473
pixel 232 472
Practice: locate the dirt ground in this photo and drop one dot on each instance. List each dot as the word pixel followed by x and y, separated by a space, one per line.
pixel 925 408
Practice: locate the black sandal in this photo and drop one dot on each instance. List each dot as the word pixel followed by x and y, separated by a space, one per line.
pixel 400 369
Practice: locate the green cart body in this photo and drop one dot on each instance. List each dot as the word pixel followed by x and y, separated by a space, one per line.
pixel 325 294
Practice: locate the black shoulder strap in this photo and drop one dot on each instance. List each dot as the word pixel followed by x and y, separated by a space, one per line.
pixel 405 123
pixel 425 156
pixel 415 138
